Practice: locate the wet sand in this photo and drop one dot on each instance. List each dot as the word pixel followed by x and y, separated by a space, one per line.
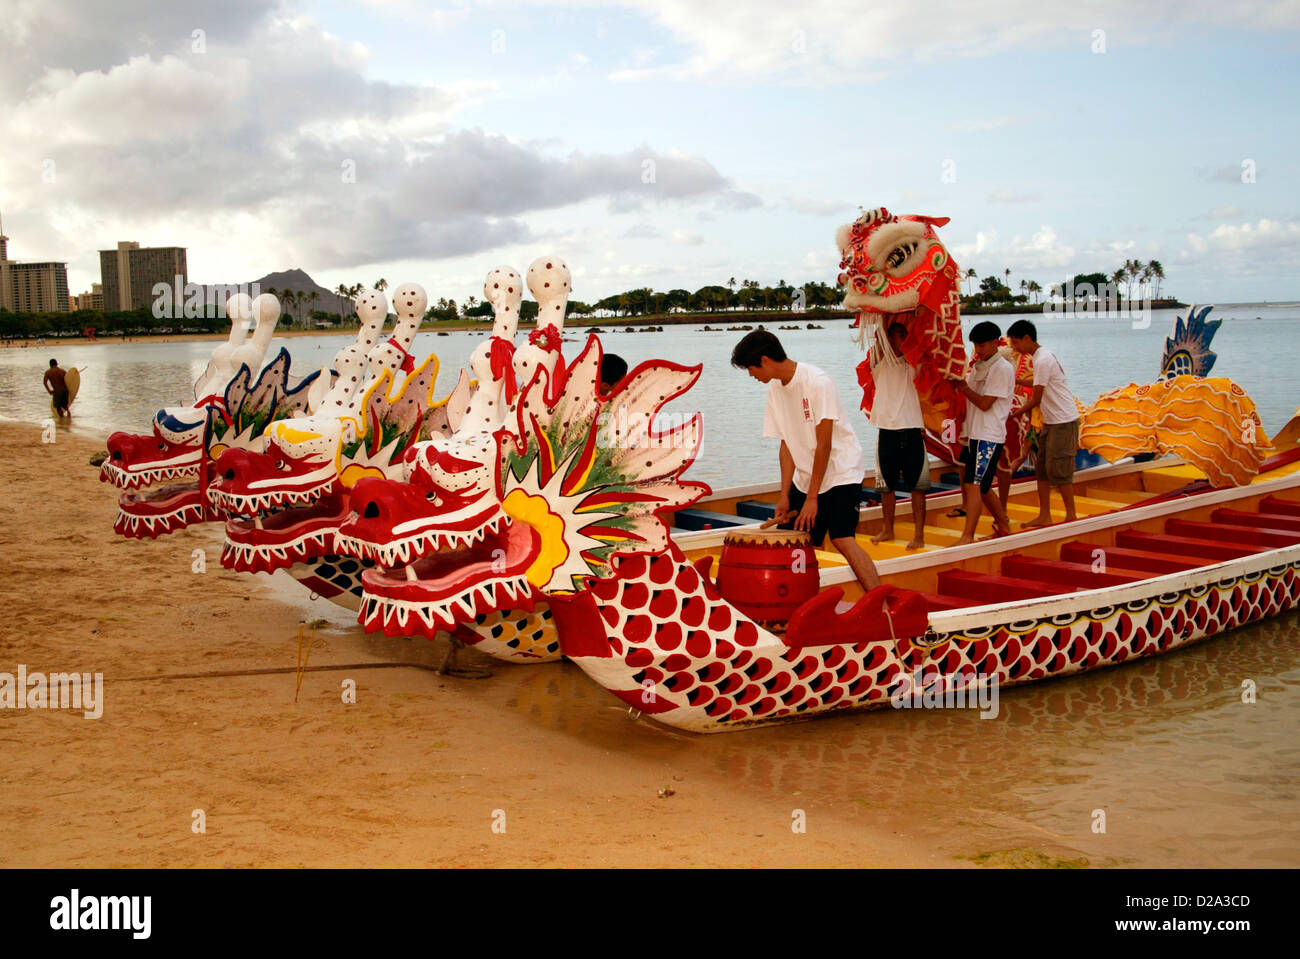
pixel 420 769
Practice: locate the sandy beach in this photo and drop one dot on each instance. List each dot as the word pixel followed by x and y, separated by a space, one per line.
pixel 413 773
pixel 421 767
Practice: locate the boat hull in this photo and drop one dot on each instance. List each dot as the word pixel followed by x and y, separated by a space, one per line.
pixel 743 676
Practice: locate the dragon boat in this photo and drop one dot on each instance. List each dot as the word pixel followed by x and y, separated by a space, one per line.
pixel 590 525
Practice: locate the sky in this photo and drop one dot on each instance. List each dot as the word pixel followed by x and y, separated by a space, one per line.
pixel 668 144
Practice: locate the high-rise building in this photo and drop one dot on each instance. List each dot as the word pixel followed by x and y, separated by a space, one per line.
pixel 92 300
pixel 32 287
pixel 129 273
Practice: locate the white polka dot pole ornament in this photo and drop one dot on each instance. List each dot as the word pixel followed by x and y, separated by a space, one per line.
pixel 550 283
pixel 409 303
pixel 492 362
pixel 350 363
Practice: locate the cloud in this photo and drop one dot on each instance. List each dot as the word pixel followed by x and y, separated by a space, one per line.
pixel 985 124
pixel 827 42
pixel 641 231
pixel 270 144
pixel 1043 250
pixel 1231 173
pixel 1008 196
pixel 815 207
pixel 685 238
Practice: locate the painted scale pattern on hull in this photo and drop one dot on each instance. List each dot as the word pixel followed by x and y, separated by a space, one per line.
pixel 683 655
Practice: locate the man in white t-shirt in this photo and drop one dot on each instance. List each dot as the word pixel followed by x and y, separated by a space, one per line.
pixel 988 388
pixel 821 459
pixel 901 465
pixel 1059 441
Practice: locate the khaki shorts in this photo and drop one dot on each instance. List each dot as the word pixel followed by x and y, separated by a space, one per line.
pixel 1057 444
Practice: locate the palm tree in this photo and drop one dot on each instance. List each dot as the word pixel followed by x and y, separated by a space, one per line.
pixel 1158 272
pixel 1007 271
pixel 1034 289
pixel 381 284
pixel 1024 287
pixel 1134 268
pixel 1120 275
pixel 970 275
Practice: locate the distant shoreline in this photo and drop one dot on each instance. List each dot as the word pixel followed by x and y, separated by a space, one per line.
pixel 724 319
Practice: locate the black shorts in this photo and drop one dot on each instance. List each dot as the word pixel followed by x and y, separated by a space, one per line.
pixel 900 461
pixel 981 459
pixel 837 511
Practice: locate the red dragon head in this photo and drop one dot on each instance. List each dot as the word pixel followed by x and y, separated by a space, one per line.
pixel 185 442
pixel 493 521
pixel 288 527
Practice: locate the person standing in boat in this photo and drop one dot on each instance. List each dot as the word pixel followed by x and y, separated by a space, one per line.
pixel 821 459
pixel 1059 441
pixel 900 444
pixel 987 388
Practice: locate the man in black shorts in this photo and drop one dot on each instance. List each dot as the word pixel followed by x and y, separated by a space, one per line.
pixel 821 459
pixel 901 465
pixel 987 388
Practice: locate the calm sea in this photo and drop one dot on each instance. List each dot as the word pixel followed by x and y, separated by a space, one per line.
pixel 123 384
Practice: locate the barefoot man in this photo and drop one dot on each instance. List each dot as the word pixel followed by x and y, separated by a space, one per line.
pixel 1060 437
pixel 821 459
pixel 56 385
pixel 987 388
pixel 900 446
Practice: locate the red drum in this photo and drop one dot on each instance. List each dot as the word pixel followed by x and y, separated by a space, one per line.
pixel 768 574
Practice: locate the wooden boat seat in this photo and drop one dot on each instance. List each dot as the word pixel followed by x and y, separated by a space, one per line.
pixel 755 509
pixel 1275 504
pixel 1171 546
pixel 1064 573
pixel 1248 535
pixel 1142 560
pixel 693 519
pixel 987 588
pixel 937 603
pixel 1241 517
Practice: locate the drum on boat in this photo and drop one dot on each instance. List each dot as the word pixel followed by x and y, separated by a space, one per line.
pixel 767 574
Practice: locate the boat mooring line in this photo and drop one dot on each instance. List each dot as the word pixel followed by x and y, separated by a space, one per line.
pixel 273 670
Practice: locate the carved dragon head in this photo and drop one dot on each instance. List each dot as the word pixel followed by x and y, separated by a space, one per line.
pixel 303 457
pixel 497 520
pixel 391 424
pixel 233 405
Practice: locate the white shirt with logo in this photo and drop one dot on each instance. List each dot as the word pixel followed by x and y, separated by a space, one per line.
pixel 996 378
pixel 1058 402
pixel 897 405
pixel 793 412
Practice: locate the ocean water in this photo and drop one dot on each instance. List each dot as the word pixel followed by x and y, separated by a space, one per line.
pixel 1258 346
